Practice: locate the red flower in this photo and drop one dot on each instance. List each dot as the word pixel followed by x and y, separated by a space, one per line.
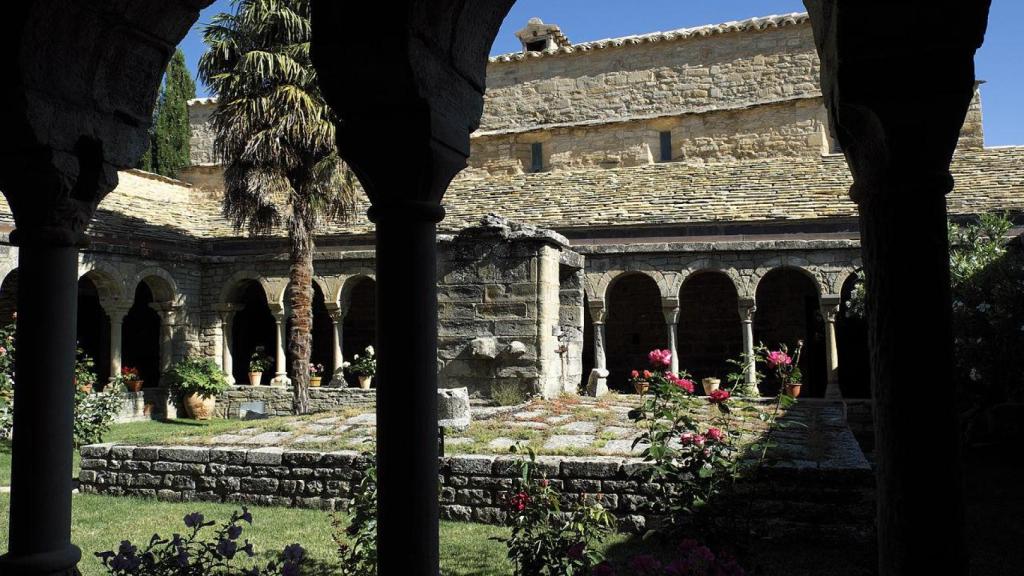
pixel 660 357
pixel 718 396
pixel 647 374
pixel 715 434
pixel 635 374
pixel 519 502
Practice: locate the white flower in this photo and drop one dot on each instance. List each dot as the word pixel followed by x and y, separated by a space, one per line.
pixel 369 350
pixel 984 307
pixel 975 375
pixel 346 364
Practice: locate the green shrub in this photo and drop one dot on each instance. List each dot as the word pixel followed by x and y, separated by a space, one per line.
pixel 357 548
pixel 196 375
pixel 94 414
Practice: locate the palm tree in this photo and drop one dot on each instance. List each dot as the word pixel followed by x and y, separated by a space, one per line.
pixel 275 133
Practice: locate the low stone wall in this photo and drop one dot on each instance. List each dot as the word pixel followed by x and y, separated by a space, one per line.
pixel 277 401
pixel 827 502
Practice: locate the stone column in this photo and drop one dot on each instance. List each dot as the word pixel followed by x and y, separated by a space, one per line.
pixel 116 314
pixel 39 533
pixel 168 321
pixel 597 382
pixel 280 359
pixel 897 111
pixel 670 308
pixel 338 321
pixel 829 310
pixel 747 310
pixel 227 315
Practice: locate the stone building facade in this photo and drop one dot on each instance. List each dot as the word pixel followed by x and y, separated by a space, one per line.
pixel 676 190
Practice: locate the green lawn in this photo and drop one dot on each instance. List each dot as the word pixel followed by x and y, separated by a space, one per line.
pixel 101 522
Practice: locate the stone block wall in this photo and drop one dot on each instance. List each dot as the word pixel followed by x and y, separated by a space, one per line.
pixel 790 128
pixel 821 503
pixel 570 319
pixel 663 78
pixel 498 309
pixel 277 401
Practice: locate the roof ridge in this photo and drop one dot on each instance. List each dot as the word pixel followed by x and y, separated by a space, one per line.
pixel 757 23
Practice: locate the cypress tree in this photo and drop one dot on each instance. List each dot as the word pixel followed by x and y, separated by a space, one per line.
pixel 171 137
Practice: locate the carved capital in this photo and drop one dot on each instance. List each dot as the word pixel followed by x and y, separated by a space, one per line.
pixel 597 310
pixel 747 309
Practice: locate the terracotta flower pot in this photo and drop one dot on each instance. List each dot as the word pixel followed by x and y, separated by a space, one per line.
pixel 710 385
pixel 364 382
pixel 793 390
pixel 255 377
pixel 641 386
pixel 134 385
pixel 200 408
pixel 314 381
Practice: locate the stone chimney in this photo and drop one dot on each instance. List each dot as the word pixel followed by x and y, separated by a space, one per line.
pixel 538 36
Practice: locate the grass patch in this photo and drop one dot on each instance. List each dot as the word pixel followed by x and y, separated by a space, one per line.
pixel 101 522
pixel 5 462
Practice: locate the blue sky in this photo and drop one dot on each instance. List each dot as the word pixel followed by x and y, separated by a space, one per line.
pixel 998 61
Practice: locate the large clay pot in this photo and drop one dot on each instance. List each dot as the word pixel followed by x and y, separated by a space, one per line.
pixel 200 408
pixel 134 385
pixel 793 390
pixel 710 385
pixel 255 377
pixel 641 386
pixel 364 382
pixel 314 381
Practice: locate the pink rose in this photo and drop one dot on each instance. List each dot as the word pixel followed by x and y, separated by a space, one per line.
pixel 635 374
pixel 715 434
pixel 718 396
pixel 778 358
pixel 660 357
pixel 691 439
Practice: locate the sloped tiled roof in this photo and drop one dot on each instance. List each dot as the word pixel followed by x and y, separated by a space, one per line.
pixel 146 207
pixel 752 24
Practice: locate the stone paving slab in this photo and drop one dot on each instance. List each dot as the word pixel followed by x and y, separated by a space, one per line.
pixel 561 442
pixel 579 428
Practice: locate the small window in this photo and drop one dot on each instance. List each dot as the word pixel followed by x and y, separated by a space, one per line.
pixel 537 46
pixel 536 157
pixel 666 146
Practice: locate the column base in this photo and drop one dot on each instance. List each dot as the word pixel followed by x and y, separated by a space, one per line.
pixel 281 381
pixel 597 383
pixel 832 392
pixel 54 563
pixel 338 380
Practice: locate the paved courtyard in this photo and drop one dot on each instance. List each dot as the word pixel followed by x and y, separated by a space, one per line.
pixel 815 433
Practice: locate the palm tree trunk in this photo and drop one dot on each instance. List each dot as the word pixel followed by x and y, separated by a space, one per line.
pixel 301 300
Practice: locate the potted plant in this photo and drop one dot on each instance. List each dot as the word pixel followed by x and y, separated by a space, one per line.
pixel 197 381
pixel 258 364
pixel 316 373
pixel 641 381
pixel 364 367
pixel 84 376
pixel 129 378
pixel 710 385
pixel 787 368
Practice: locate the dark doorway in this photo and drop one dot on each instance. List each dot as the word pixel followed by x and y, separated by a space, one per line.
pixel 709 329
pixel 360 327
pixel 852 344
pixel 93 329
pixel 788 310
pixel 253 326
pixel 634 326
pixel 140 337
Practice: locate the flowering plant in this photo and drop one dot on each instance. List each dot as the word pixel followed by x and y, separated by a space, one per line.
pixel 678 446
pixel 259 361
pixel 365 365
pixel 357 548
pixel 786 367
pixel 6 380
pixel 189 554
pixel 129 374
pixel 316 370
pixel 547 538
pixel 660 357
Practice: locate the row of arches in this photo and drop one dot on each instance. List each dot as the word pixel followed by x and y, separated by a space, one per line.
pixel 138 332
pixel 708 325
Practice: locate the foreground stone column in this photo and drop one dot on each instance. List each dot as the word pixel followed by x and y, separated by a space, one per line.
pixel 280 360
pixel 897 91
pixel 670 308
pixel 829 310
pixel 40 512
pixel 337 314
pixel 116 316
pixel 747 310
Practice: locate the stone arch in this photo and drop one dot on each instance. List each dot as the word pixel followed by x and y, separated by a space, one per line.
pixel 634 325
pixel 709 331
pixel 160 282
pixel 609 279
pixel 108 280
pixel 788 302
pixel 345 288
pixel 329 286
pixel 778 264
pixel 709 266
pixel 230 292
pixel 852 345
